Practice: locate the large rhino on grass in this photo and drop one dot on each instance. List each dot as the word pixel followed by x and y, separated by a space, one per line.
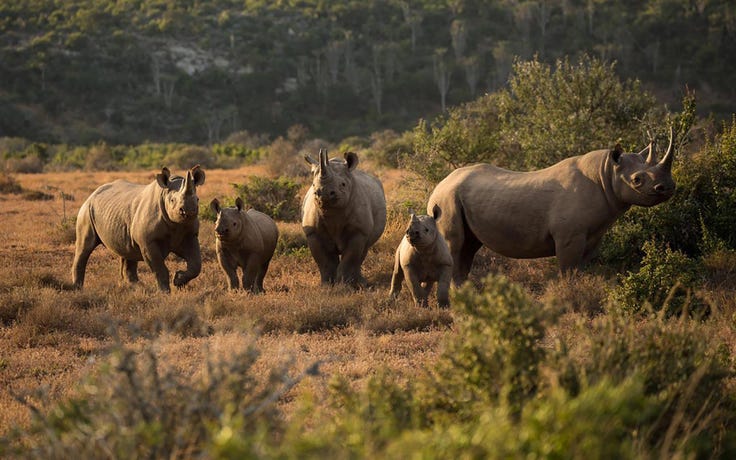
pixel 563 210
pixel 143 223
pixel 343 214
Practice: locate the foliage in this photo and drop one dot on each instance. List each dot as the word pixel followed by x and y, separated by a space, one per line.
pixel 275 197
pixel 496 353
pixel 467 134
pixel 552 113
pixel 138 406
pixel 127 72
pixel 666 281
pixel 547 114
pixel 698 219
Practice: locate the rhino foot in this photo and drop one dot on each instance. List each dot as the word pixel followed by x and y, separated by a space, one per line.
pixel 181 278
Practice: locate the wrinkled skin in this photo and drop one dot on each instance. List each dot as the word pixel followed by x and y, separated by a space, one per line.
pixel 343 215
pixel 143 223
pixel 563 210
pixel 423 258
pixel 246 240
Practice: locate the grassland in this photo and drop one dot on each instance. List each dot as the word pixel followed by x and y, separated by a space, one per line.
pixel 52 338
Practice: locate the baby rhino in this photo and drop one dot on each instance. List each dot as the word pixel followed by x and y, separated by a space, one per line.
pixel 424 258
pixel 245 239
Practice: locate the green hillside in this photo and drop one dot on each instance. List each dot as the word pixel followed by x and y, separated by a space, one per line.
pixel 130 71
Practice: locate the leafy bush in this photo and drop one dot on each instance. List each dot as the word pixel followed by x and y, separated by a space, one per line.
pixel 9 184
pixel 189 156
pixel 554 112
pixel 495 355
pixel 387 147
pixel 666 280
pixel 275 197
pixel 699 218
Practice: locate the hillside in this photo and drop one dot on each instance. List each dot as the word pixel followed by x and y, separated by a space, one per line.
pixel 131 71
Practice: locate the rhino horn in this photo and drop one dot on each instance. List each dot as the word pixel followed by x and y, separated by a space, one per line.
pixel 666 162
pixel 651 158
pixel 188 185
pixel 323 169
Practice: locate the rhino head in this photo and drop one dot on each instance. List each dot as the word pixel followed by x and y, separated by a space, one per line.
pixel 422 230
pixel 180 194
pixel 229 224
pixel 332 181
pixel 639 179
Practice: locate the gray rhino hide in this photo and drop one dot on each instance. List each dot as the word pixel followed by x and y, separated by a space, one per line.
pixel 133 222
pixel 563 210
pixel 339 236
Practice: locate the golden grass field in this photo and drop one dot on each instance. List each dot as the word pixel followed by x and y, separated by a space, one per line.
pixel 52 337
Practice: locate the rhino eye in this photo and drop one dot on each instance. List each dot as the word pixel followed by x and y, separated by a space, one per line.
pixel 636 180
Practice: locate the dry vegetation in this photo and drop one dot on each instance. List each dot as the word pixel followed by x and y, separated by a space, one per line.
pixel 52 337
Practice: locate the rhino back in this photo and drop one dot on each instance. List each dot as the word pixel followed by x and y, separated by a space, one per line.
pixel 111 208
pixel 516 213
pixel 267 228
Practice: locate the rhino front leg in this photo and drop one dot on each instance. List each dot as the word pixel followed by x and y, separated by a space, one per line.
pixel 230 267
pixel 129 270
pixel 569 251
pixel 155 259
pixel 443 286
pixel 348 271
pixel 418 292
pixel 190 253
pixel 251 273
pixel 325 254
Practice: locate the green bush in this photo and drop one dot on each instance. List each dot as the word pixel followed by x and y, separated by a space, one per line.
pixel 275 197
pixel 387 147
pixel 494 358
pixel 666 281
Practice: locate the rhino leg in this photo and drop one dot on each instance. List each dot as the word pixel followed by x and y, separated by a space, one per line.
pixel 230 267
pixel 155 259
pixel 348 271
pixel 396 278
pixel 251 274
pixel 463 252
pixel 569 251
pixel 418 292
pixel 129 270
pixel 86 242
pixel 443 287
pixel 325 254
pixel 262 275
pixel 190 253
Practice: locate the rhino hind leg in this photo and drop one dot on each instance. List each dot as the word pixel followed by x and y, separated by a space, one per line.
pixel 252 279
pixel 87 240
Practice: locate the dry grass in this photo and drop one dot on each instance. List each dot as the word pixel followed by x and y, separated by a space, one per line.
pixel 50 336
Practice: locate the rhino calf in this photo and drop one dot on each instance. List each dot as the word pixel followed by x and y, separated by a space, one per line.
pixel 563 210
pixel 423 258
pixel 245 239
pixel 343 215
pixel 143 223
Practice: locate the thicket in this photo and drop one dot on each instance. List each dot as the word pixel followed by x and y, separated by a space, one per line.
pixel 507 385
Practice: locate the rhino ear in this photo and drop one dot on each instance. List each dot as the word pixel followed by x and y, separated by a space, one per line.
pixel 239 203
pixel 197 175
pixel 215 205
pixel 351 159
pixel 311 161
pixel 163 177
pixel 436 211
pixel 616 153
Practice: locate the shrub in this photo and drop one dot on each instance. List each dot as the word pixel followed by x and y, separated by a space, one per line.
pixel 275 197
pixel 136 406
pixel 387 147
pixel 666 280
pixel 188 156
pixel 9 184
pixel 494 358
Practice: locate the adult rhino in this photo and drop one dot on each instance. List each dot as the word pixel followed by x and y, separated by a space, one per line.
pixel 343 214
pixel 143 222
pixel 563 210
